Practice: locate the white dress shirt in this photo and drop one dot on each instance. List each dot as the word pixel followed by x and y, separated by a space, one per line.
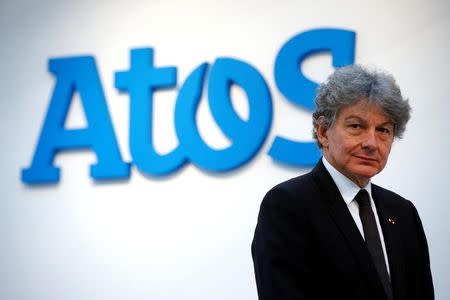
pixel 348 190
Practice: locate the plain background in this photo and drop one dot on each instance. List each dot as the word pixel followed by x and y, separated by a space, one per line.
pixel 188 235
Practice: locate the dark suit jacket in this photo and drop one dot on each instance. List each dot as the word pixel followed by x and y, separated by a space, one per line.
pixel 307 245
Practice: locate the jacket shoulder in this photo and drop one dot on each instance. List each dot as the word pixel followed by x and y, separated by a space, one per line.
pixel 389 197
pixel 295 185
pixel 395 204
pixel 290 194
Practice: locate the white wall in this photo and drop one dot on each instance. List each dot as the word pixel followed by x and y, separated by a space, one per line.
pixel 188 235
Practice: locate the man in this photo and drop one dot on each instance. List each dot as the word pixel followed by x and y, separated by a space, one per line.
pixel 332 234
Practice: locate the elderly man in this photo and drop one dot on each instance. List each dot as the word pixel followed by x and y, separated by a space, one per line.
pixel 331 233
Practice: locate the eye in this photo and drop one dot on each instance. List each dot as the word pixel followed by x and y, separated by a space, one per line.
pixel 384 130
pixel 354 126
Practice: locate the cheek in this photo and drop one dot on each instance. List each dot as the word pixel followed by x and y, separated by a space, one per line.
pixel 344 153
pixel 338 141
pixel 385 150
pixel 347 147
pixel 384 155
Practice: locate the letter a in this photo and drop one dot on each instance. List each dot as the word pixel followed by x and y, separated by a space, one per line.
pixel 76 74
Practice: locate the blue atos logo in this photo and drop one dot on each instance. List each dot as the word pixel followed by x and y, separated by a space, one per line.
pixel 79 74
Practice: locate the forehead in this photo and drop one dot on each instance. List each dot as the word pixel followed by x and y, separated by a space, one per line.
pixel 365 110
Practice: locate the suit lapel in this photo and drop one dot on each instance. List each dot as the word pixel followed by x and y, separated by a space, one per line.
pixel 339 212
pixel 392 240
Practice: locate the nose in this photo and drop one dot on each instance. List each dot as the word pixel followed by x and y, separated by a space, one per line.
pixel 370 140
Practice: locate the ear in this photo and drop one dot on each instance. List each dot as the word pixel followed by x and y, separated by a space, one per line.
pixel 322 132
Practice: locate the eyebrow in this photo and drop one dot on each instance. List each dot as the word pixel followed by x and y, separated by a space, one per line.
pixel 363 120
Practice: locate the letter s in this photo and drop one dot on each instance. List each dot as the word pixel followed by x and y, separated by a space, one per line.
pixel 300 90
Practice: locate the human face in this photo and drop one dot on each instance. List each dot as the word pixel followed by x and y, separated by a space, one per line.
pixel 359 142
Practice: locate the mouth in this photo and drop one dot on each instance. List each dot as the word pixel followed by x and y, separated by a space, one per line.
pixel 365 158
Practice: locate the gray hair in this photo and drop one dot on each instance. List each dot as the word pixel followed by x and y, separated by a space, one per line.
pixel 350 84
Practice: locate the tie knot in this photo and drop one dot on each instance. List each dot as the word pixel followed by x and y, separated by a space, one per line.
pixel 363 198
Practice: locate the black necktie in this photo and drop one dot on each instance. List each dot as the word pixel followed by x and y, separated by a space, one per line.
pixel 372 238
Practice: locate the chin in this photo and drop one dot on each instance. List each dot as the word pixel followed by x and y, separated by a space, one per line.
pixel 366 171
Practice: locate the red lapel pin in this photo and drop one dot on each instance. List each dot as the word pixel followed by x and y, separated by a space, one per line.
pixel 392 221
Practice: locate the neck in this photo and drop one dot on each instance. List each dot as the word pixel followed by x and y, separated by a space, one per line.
pixel 360 181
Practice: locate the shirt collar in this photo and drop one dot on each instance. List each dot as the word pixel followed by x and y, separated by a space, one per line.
pixel 346 187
